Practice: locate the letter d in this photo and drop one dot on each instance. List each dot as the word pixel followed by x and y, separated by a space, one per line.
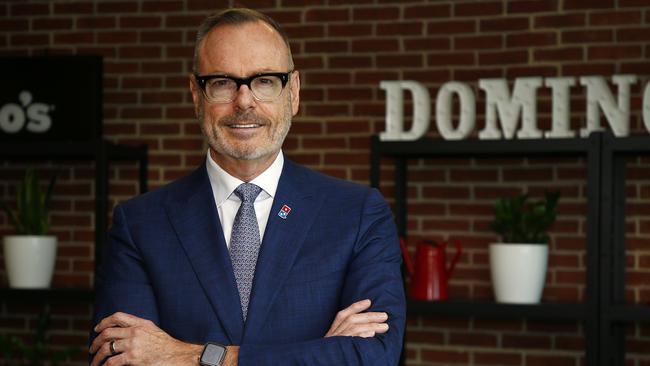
pixel 395 110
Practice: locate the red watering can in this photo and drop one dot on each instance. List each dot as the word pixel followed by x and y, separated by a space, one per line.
pixel 430 275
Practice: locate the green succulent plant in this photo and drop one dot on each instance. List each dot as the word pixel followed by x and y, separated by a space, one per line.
pixel 32 206
pixel 519 221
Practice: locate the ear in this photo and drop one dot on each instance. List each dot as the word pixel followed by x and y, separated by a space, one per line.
pixel 295 92
pixel 196 95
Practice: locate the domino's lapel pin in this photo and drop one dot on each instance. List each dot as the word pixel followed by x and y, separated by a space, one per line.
pixel 284 212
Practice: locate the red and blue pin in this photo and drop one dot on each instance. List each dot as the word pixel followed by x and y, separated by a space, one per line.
pixel 284 212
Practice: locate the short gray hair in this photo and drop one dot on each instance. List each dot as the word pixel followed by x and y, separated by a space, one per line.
pixel 236 16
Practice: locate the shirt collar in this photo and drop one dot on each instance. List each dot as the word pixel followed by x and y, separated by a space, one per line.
pixel 223 184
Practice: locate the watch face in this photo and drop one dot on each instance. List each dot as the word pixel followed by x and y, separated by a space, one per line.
pixel 212 354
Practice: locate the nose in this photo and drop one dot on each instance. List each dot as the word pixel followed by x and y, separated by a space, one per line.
pixel 244 98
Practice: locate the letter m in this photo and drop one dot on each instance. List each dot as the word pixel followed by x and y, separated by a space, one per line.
pixel 499 103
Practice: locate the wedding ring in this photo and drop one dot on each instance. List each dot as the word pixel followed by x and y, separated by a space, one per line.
pixel 112 348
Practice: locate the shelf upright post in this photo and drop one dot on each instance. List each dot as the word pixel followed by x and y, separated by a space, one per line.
pixel 375 160
pixel 401 216
pixel 400 182
pixel 101 200
pixel 593 247
pixel 401 195
pixel 617 263
pixel 613 252
pixel 144 168
pixel 605 355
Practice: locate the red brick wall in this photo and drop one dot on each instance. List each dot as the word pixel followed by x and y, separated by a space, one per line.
pixel 342 52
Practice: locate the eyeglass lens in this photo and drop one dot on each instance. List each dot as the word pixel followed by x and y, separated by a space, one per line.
pixel 264 88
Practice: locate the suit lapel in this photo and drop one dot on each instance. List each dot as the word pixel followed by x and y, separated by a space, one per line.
pixel 282 241
pixel 194 217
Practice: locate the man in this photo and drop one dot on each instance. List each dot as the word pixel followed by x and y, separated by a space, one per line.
pixel 251 259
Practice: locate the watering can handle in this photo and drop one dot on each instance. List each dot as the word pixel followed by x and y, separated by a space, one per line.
pixel 459 251
pixel 407 259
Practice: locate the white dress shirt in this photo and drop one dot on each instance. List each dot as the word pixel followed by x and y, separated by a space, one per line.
pixel 224 184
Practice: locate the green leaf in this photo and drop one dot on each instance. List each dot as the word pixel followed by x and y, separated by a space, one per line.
pixel 32 206
pixel 13 220
pixel 519 221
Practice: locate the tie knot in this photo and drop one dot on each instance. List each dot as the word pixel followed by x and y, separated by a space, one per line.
pixel 247 192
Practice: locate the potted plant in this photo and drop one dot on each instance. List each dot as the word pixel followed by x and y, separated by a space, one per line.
pixel 30 254
pixel 518 264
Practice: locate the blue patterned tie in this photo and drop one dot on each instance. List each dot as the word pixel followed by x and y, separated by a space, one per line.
pixel 245 242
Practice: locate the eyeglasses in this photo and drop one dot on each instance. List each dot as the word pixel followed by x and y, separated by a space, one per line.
pixel 265 87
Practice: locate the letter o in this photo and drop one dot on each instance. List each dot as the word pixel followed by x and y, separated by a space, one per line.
pixel 12 118
pixel 444 110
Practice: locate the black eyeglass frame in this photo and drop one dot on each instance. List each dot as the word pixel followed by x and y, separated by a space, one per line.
pixel 203 79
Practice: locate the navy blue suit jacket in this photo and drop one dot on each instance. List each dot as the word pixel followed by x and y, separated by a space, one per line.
pixel 167 261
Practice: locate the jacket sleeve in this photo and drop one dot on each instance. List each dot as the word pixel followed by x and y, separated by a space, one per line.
pixel 374 273
pixel 122 282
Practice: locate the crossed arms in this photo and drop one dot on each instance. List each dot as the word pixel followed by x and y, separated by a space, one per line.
pixel 367 332
pixel 146 344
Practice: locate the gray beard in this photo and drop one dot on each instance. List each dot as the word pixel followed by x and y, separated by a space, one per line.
pixel 220 145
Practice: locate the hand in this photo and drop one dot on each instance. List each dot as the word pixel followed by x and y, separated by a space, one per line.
pixel 138 342
pixel 351 321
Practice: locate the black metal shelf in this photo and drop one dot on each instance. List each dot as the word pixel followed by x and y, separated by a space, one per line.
pixel 589 148
pixel 617 314
pixel 101 152
pixel 492 310
pixel 602 316
pixel 482 148
pixel 52 295
pixel 630 314
pixel 70 150
pixel 627 145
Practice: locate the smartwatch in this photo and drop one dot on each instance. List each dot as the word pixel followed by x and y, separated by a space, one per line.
pixel 213 354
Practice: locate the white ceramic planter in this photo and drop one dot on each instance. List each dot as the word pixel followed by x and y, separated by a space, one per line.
pixel 518 272
pixel 29 260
